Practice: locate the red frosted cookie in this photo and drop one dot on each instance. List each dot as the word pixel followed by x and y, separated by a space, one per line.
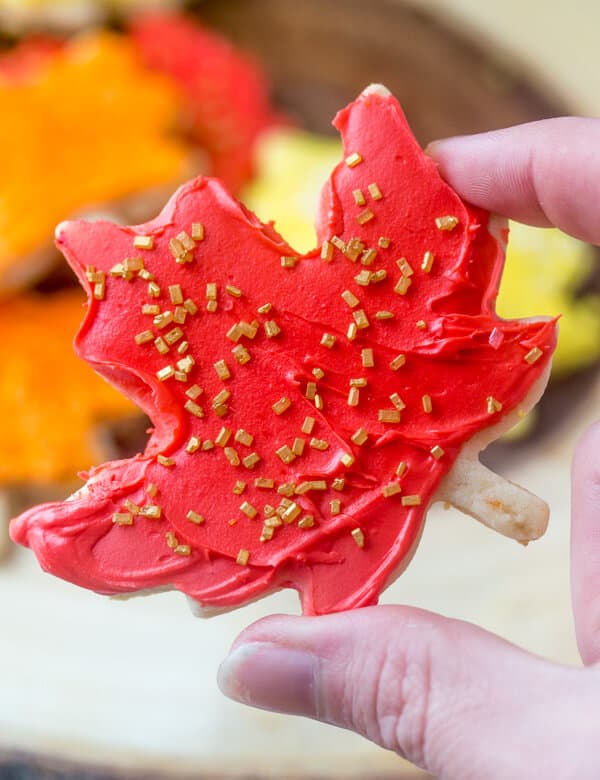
pixel 307 409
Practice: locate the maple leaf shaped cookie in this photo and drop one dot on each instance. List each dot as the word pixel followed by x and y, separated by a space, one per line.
pixel 307 409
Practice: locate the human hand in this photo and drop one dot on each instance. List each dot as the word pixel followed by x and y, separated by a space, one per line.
pixel 449 696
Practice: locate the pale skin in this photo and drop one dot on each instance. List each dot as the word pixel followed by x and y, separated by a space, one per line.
pixel 449 696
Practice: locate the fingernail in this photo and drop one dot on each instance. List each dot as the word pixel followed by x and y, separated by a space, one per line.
pixel 270 677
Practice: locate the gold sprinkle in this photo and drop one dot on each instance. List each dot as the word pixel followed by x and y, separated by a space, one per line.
pixel 398 362
pixel 446 223
pixel 243 437
pixel 150 308
pixel 122 518
pixel 235 292
pixel 183 549
pixel 264 483
pixel 414 500
pixel 360 381
pixel 187 243
pixel 145 275
pixel 241 354
pixel 421 324
pixel 211 306
pixel 363 278
pixel 401 468
pixel 365 216
pixel 223 436
pixel 232 522
pixel 186 364
pixel 291 513
pixel 132 265
pixel 181 376
pixel 286 489
pixel 388 416
pixel 269 511
pixel 327 340
pixel 335 506
pixel 367 358
pixel 190 306
pixel 338 483
pixel 99 291
pixel 143 242
pixel 397 401
pixel 384 315
pixel 239 487
pixel 298 446
pixel 308 425
pixel 285 454
pixel 248 329
pixel 251 460
pixel 353 159
pixel 353 396
pixel 361 319
pixel 153 290
pixel 197 231
pixel 289 261
pixel 279 407
pixel 272 329
pixel 194 517
pixel 311 390
pixel 368 257
pixel 175 293
pixel 248 510
pixel 338 243
pixel 437 452
pixel 427 263
pixel 162 320
pixel 350 299
pixel 427 405
pixel 307 521
pixel 173 336
pixel 358 537
pixel 193 408
pixel 171 540
pixel 266 534
pixel 360 436
pixel 131 507
pixel 183 347
pixel 347 459
pixel 359 198
pixel 151 511
pixel 353 249
pixel 164 461
pixel 352 331
pixel 318 373
pixel 152 489
pixel 384 242
pixel 493 405
pixel 319 444
pixel 378 276
pixel 391 489
pixel 402 285
pixel 207 445
pixel 533 355
pixel 242 557
pixel 193 445
pixel 144 337
pixel 165 373
pixel 232 456
pixel 222 370
pixel 193 392
pixel 327 251
pixel 234 333
pixel 265 308
pixel 405 267
pixel 221 398
pixel 374 191
pixel 318 402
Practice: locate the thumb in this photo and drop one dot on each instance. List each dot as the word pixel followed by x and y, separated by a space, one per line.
pixel 450 697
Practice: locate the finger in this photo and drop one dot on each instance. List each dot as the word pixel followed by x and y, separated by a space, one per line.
pixel 543 173
pixel 585 544
pixel 448 696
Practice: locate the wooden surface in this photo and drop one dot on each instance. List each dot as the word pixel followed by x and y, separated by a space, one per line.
pixel 131 685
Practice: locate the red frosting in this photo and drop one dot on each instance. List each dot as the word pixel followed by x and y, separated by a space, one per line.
pixel 224 90
pixel 458 353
